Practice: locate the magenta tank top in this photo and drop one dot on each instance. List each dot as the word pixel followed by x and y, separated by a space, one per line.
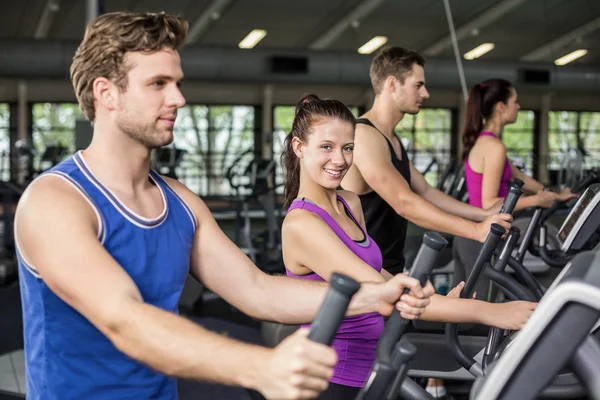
pixel 475 179
pixel 356 340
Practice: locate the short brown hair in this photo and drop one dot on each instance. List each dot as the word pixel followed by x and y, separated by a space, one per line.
pixel 393 61
pixel 108 38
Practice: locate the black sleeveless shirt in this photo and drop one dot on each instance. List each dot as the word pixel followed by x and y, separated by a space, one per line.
pixel 384 225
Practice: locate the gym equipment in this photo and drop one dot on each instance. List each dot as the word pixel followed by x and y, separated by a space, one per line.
pixel 557 334
pixel 389 370
pixel 9 195
pixel 392 356
pixel 168 159
pixel 571 169
pixel 254 182
pixel 331 312
pixel 574 233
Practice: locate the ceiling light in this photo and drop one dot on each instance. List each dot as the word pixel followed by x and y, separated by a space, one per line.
pixel 372 45
pixel 479 51
pixel 252 39
pixel 571 57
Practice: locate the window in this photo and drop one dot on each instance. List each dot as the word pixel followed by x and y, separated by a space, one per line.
pixel 212 138
pixel 562 136
pixel 53 132
pixel 518 139
pixel 5 141
pixel 427 139
pixel 590 136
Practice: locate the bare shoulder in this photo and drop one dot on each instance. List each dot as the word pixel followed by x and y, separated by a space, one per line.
pixel 370 147
pixel 489 143
pixel 366 134
pixel 297 221
pixel 353 201
pixel 53 196
pixel 50 208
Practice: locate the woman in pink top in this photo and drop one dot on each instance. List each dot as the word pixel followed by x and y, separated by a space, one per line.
pixel 491 106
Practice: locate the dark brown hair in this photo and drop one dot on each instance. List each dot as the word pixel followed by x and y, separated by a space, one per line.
pixel 481 103
pixel 393 61
pixel 309 110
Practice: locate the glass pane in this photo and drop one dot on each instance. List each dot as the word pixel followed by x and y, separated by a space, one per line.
pixel 590 136
pixel 562 136
pixel 53 132
pixel 519 140
pixel 5 141
pixel 427 137
pixel 212 137
pixel 405 130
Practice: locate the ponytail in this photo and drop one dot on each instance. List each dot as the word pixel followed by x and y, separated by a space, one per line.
pixel 481 103
pixel 291 171
pixel 473 120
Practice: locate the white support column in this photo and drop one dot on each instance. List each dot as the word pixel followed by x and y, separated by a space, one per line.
pixel 462 107
pixel 542 140
pixel 267 122
pixel 22 126
pixel 22 107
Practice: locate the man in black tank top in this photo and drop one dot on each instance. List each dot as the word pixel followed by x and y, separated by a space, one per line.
pixel 391 189
pixel 381 219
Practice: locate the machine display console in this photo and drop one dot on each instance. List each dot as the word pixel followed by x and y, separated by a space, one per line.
pixel 582 221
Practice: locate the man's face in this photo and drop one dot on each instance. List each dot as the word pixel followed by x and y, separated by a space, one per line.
pixel 147 108
pixel 409 96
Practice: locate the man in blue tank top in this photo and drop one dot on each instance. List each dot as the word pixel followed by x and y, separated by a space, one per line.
pixel 105 245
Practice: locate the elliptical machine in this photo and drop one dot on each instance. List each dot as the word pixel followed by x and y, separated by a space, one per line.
pixel 252 178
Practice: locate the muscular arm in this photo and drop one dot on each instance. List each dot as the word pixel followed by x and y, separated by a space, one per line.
pixel 222 267
pixel 51 218
pixel 321 252
pixel 445 202
pixel 373 160
pixel 493 168
pixel 530 185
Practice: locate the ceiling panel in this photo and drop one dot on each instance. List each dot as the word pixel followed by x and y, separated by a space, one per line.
pixel 295 24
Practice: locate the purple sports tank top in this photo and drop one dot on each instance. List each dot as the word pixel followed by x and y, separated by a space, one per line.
pixel 474 180
pixel 356 340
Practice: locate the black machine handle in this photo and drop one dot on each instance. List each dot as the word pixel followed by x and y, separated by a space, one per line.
pixel 331 312
pixel 484 256
pixel 424 262
pixel 394 372
pixel 509 286
pixel 403 354
pixel 509 244
pixel 527 278
pixel 556 258
pixel 333 309
pixel 384 370
pixel 523 273
pixel 512 197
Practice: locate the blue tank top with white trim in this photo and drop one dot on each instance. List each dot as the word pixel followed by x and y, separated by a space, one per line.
pixel 66 357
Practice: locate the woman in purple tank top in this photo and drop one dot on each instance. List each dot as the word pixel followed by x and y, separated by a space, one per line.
pixel 324 231
pixel 491 106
